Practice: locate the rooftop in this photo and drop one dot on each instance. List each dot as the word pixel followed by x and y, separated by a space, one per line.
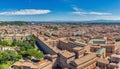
pixel 92 40
pixel 113 64
pixel 115 55
pixel 101 51
pixel 78 48
pixel 104 61
pixel 84 59
pixel 38 65
pixel 66 53
pixel 80 43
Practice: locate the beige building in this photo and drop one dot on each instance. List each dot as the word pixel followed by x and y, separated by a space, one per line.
pixel 86 62
pixel 14 36
pixel 43 64
pixel 64 58
pixel 106 64
pixel 115 58
pixel 102 63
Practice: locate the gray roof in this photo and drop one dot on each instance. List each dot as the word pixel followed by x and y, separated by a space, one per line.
pixel 101 51
pixel 92 40
pixel 78 43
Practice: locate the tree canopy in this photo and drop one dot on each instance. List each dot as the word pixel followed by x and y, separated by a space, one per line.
pixel 20 23
pixel 118 39
pixel 9 55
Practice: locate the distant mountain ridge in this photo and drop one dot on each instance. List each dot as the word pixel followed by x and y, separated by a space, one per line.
pixel 65 21
pixel 86 21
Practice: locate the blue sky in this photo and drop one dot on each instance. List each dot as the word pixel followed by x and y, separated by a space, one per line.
pixel 55 10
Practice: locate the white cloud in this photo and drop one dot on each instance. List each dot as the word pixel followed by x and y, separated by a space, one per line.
pixel 83 12
pixel 99 13
pixel 111 17
pixel 79 13
pixel 91 13
pixel 76 9
pixel 25 12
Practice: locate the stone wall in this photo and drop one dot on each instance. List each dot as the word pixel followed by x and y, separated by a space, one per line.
pixel 42 46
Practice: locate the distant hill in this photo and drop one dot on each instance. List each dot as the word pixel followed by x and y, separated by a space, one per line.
pixel 85 21
pixel 20 23
pixel 58 22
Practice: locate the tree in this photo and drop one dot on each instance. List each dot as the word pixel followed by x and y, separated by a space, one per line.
pixel 39 55
pixel 1 58
pixel 55 28
pixel 20 23
pixel 9 56
pixel 14 42
pixel 5 57
pixel 1 67
pixel 4 43
pixel 13 55
pixel 35 53
pixel 118 39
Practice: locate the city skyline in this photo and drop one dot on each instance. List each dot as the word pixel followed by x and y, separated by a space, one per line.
pixel 59 10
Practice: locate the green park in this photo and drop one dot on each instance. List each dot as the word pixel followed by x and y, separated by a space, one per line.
pixel 22 49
